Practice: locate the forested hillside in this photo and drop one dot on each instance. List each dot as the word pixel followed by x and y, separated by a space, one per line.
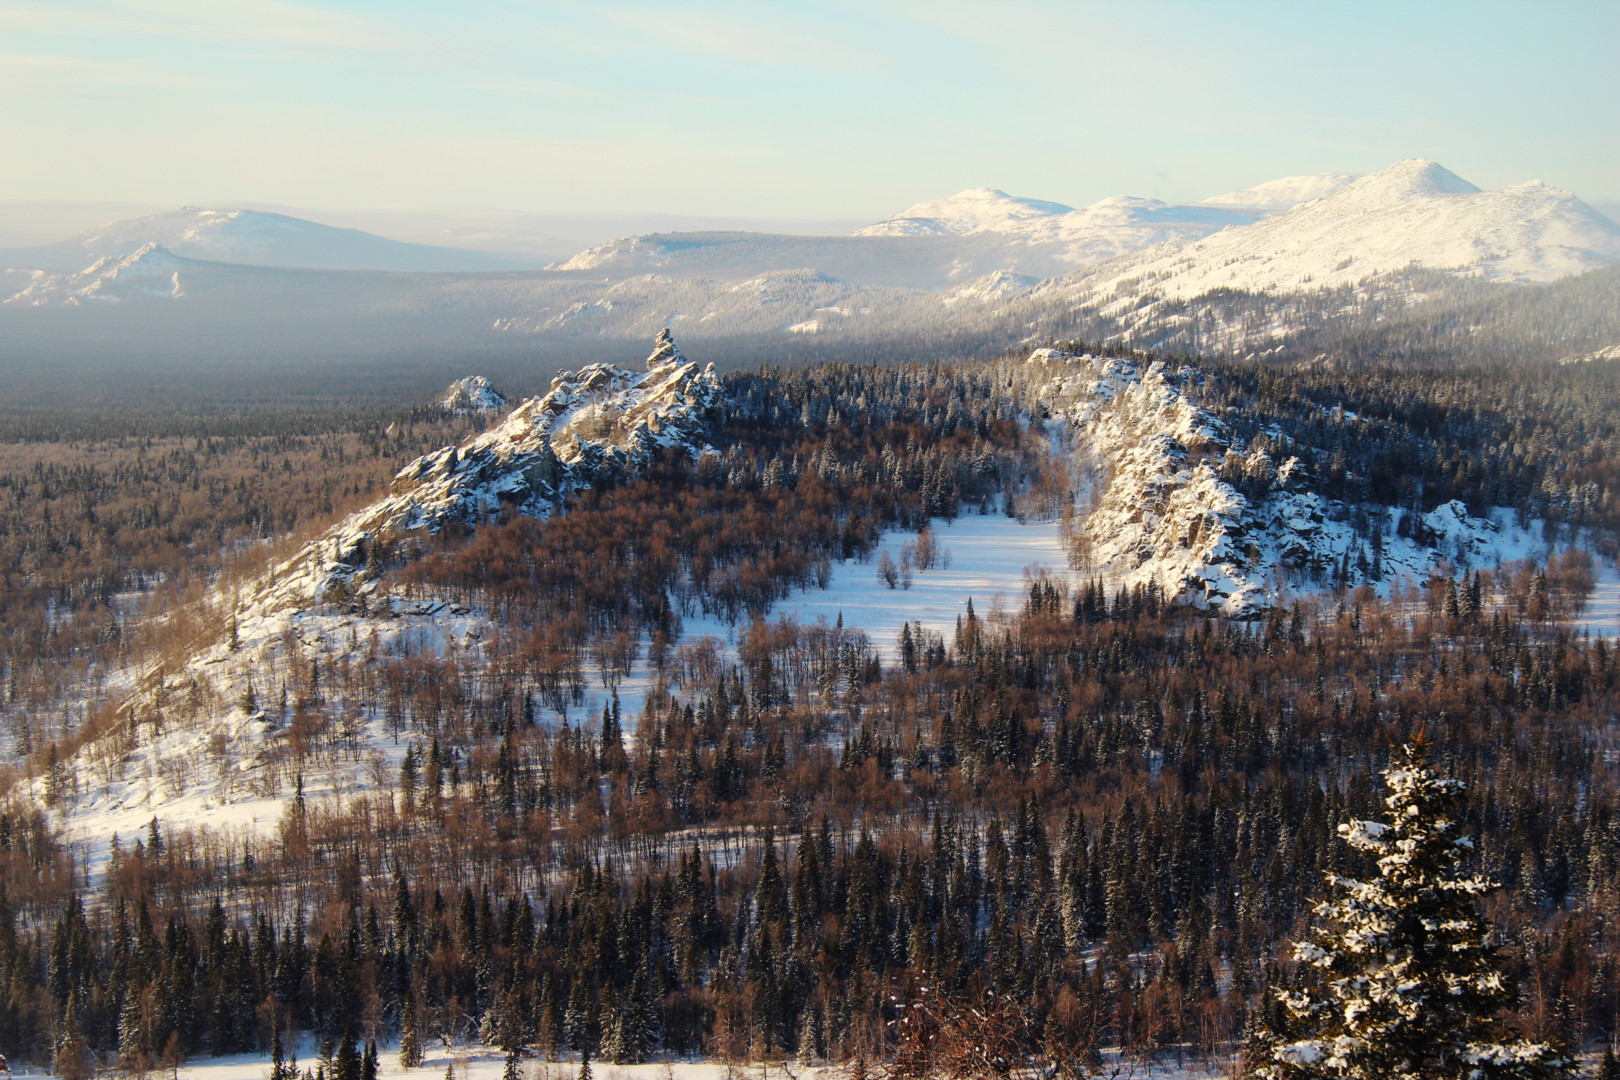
pixel 1095 814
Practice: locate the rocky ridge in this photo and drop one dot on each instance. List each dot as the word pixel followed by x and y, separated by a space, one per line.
pixel 1164 473
pixel 594 424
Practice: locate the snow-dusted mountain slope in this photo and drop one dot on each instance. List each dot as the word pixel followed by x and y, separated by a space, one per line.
pixel 980 209
pixel 595 423
pixel 1073 237
pixel 252 238
pixel 325 605
pixel 1275 196
pixel 909 262
pixel 472 394
pixel 988 210
pixel 146 272
pixel 1413 213
pixel 970 275
pixel 970 234
pixel 1167 513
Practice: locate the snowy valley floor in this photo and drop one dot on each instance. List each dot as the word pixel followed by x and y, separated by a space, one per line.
pixel 488 1063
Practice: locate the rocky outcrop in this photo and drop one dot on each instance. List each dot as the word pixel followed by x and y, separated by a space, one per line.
pixel 595 424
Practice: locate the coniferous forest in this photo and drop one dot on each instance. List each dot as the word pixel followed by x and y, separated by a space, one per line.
pixel 1078 830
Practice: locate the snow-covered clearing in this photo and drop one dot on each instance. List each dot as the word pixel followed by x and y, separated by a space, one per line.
pixel 488 1063
pixel 992 558
pixel 1601 616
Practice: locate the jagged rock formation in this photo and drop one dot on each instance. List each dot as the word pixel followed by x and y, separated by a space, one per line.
pixel 471 396
pixel 596 424
pixel 1167 513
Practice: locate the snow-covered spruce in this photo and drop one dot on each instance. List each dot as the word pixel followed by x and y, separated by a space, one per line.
pixel 1407 986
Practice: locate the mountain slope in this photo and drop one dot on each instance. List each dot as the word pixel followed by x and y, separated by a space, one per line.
pixel 1074 238
pixel 1413 213
pixel 980 209
pixel 1275 196
pixel 250 238
pixel 969 275
pixel 148 271
pixel 909 262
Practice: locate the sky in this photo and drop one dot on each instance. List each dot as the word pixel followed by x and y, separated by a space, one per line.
pixel 803 110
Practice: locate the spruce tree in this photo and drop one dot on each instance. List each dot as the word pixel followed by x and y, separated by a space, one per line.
pixel 132 1034
pixel 346 1066
pixel 410 1043
pixel 614 1023
pixel 278 1057
pixel 1407 985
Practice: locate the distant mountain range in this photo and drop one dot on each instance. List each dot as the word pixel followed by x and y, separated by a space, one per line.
pixel 980 270
pixel 250 238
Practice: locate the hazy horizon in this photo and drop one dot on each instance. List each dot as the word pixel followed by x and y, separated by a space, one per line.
pixel 814 113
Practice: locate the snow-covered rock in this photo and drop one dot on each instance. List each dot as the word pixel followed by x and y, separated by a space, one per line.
pixel 472 395
pixel 598 423
pixel 1607 354
pixel 1165 514
pixel 1165 517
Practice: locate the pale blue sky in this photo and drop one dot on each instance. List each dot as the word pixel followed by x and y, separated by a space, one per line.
pixel 809 109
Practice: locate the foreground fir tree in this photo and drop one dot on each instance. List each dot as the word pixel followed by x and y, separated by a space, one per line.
pixel 1407 986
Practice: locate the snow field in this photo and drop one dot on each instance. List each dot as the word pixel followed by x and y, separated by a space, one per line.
pixel 478 1062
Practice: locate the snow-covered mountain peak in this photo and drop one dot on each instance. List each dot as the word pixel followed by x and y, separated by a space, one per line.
pixel 150 270
pixel 253 238
pixel 1413 178
pixel 1415 212
pixel 472 395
